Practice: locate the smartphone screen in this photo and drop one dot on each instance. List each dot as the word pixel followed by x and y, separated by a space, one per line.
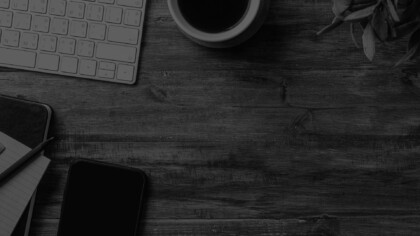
pixel 101 199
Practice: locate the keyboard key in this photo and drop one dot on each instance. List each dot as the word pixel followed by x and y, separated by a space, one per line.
pixel 107 1
pixel 76 9
pixel 21 21
pixel 87 67
pixel 29 40
pixel 4 3
pixel 106 65
pixel 17 57
pixel 58 7
pixel 97 31
pixel 59 26
pixel 38 6
pixel 47 62
pixel 94 12
pixel 113 14
pixel 107 74
pixel 123 35
pixel 132 17
pixel 85 48
pixel 40 23
pixel 125 72
pixel 116 52
pixel 69 65
pixel 78 28
pixel 47 43
pixel 6 18
pixel 130 3
pixel 66 46
pixel 20 5
pixel 10 38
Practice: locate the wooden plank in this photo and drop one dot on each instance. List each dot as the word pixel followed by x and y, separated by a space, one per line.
pixel 120 116
pixel 169 123
pixel 257 179
pixel 377 226
pixel 266 89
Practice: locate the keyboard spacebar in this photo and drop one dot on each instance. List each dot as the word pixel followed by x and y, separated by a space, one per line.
pixel 17 57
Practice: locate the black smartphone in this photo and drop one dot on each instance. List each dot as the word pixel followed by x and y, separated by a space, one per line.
pixel 101 199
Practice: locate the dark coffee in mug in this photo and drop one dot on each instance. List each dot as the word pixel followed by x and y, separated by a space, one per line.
pixel 213 16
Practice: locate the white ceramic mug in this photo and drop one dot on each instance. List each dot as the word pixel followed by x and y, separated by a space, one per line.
pixel 250 23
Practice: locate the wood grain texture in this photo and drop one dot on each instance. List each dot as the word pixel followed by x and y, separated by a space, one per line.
pixel 288 134
pixel 316 226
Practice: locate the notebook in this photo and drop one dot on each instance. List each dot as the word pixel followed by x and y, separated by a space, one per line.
pixel 16 191
pixel 27 122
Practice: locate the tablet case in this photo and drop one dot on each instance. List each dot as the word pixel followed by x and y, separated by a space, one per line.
pixel 27 122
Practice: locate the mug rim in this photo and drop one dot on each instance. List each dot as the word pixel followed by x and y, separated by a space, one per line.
pixel 238 29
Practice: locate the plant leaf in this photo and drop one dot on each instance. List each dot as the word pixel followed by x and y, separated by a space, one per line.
pixel 369 42
pixel 380 24
pixel 361 14
pixel 393 11
pixel 413 48
pixel 361 4
pixel 407 28
pixel 409 55
pixel 340 6
pixel 335 23
pixel 396 3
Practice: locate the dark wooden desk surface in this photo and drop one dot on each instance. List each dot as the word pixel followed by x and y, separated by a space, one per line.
pixel 286 135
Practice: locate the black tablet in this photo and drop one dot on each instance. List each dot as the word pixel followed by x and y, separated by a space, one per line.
pixel 101 199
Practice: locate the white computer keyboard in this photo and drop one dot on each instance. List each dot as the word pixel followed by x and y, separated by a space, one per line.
pixel 94 39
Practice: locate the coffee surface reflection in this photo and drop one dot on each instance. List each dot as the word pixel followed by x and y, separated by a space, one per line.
pixel 213 16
